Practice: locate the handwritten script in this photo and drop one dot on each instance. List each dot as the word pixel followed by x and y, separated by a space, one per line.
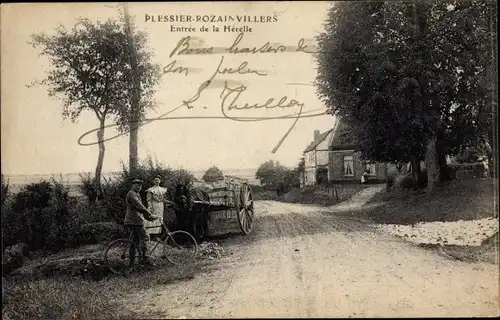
pixel 230 96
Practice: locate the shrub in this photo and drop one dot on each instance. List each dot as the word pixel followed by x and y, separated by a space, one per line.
pixel 89 212
pixel 13 257
pixel 476 169
pixel 262 193
pixel 39 215
pixel 265 195
pixel 5 189
pixel 321 176
pixel 94 233
pixel 88 187
pixel 323 196
pixel 115 190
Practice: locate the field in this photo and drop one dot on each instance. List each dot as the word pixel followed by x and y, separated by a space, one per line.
pixel 72 180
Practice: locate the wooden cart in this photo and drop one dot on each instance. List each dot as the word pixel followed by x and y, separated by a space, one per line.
pixel 233 194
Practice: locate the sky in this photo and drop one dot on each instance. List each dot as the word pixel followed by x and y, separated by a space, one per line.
pixel 35 138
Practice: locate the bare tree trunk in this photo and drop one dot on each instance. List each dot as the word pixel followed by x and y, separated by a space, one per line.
pixel 100 161
pixel 135 111
pixel 133 155
pixel 432 164
pixel 416 172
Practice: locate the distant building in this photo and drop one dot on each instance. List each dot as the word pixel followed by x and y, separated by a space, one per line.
pixel 332 158
pixel 316 157
pixel 345 163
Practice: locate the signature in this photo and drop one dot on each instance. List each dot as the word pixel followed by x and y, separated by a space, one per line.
pixel 230 95
pixel 235 93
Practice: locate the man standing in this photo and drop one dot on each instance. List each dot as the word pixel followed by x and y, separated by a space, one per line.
pixel 134 220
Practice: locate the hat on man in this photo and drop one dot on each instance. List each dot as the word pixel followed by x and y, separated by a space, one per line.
pixel 137 181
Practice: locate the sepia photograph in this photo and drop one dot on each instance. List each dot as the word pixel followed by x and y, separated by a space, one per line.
pixel 249 159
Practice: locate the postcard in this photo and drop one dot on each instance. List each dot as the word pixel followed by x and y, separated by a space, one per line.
pixel 249 159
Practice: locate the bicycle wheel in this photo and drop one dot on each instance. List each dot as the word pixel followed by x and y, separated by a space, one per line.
pixel 180 247
pixel 120 256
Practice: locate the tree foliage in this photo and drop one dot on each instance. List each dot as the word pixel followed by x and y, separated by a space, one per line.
pixel 90 70
pixel 405 73
pixel 115 189
pixel 301 167
pixel 267 173
pixel 213 174
pixel 274 175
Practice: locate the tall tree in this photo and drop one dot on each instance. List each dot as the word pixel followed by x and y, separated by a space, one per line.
pixel 91 71
pixel 405 74
pixel 135 114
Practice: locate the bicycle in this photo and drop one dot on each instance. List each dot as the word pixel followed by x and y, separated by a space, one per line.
pixel 179 247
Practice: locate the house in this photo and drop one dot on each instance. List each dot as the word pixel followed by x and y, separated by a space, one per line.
pixel 316 157
pixel 332 158
pixel 345 163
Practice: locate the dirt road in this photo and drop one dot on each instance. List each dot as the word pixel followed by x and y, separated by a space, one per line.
pixel 304 261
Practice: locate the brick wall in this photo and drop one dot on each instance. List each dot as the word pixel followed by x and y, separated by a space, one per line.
pixel 336 167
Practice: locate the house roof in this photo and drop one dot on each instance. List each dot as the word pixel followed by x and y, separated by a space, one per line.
pixel 315 143
pixel 342 135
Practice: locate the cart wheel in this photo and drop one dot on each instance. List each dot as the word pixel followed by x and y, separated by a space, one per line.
pixel 246 210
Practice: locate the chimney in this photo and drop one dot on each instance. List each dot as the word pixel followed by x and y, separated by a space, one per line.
pixel 316 135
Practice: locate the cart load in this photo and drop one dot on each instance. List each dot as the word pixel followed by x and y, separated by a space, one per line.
pixel 201 199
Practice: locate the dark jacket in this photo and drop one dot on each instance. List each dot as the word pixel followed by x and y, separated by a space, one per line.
pixel 135 210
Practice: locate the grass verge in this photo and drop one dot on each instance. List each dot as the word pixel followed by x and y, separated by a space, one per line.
pixel 488 252
pixel 455 200
pixel 67 297
pixel 452 201
pixel 322 196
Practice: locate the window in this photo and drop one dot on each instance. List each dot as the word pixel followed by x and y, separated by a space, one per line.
pixel 348 166
pixel 370 169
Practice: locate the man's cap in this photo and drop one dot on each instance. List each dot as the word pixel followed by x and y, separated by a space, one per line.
pixel 137 181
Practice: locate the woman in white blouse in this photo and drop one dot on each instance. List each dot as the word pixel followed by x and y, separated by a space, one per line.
pixel 156 197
